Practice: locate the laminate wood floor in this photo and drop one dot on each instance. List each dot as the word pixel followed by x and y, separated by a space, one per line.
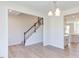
pixel 39 51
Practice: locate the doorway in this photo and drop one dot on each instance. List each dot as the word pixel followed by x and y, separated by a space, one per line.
pixel 71 30
pixel 23 30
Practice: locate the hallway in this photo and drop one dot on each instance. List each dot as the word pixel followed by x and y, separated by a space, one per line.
pixel 38 51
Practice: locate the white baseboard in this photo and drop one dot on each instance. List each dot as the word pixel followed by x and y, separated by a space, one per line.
pixel 33 43
pixel 55 45
pixel 45 43
pixel 14 43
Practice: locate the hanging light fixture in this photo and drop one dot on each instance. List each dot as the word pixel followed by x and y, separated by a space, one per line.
pixel 57 10
pixel 50 13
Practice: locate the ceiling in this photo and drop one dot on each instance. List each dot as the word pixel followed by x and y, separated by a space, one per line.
pixel 17 13
pixel 44 6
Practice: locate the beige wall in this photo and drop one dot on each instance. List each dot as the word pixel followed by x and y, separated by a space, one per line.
pixel 17 25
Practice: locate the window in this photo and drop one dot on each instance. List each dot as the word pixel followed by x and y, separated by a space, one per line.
pixel 67 29
pixel 76 27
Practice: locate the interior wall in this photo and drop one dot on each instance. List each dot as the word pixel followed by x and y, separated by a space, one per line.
pixel 45 31
pixel 3 32
pixel 17 25
pixel 56 31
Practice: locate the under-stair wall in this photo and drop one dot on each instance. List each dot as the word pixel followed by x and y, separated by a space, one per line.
pixel 36 37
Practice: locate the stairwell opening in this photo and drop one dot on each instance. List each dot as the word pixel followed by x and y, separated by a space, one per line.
pixel 24 29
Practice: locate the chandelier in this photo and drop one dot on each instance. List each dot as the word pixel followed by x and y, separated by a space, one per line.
pixel 56 12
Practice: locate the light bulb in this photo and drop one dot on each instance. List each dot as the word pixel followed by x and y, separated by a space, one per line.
pixel 10 10
pixel 57 12
pixel 50 13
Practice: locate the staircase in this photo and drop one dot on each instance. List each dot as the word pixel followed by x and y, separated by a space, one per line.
pixel 32 29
